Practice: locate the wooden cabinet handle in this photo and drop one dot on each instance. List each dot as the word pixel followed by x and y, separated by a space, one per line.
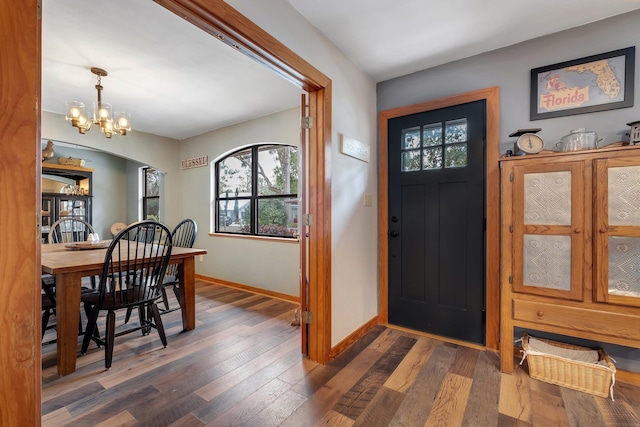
pixel 577 231
pixel 603 230
pixel 540 313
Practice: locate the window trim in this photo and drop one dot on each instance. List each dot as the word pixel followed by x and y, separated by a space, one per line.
pixel 254 198
pixel 145 198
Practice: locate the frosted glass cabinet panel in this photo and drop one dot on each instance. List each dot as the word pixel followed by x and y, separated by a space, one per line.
pixel 624 266
pixel 624 195
pixel 547 261
pixel 547 198
pixel 548 229
pixel 618 231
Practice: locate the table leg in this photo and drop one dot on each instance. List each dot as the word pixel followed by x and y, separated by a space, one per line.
pixel 68 287
pixel 187 288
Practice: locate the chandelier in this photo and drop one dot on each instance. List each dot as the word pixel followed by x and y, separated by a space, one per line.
pixel 110 123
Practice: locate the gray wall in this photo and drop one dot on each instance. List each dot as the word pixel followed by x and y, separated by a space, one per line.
pixel 109 180
pixel 510 69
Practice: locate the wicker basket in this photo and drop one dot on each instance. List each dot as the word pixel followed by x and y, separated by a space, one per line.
pixel 590 378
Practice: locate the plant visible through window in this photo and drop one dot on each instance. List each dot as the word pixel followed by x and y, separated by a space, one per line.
pixel 257 191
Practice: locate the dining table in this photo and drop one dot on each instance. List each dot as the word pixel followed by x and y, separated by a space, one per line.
pixel 70 263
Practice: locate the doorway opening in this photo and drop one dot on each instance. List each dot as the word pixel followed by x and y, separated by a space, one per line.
pixel 491 268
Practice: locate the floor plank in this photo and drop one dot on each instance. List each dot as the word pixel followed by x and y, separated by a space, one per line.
pixel 515 399
pixel 482 408
pixel 242 365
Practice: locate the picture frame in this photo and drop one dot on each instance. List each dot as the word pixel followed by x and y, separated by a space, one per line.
pixel 593 83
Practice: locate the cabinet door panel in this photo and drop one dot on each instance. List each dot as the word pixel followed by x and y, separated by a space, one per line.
pixel 618 230
pixel 548 228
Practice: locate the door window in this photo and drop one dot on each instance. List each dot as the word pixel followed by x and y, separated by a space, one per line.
pixel 434 146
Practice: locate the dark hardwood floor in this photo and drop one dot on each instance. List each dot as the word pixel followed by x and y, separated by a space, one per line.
pixel 242 366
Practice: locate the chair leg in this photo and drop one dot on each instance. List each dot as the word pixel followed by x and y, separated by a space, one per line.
pixel 128 315
pixel 45 321
pixel 165 300
pixel 153 308
pixel 96 332
pixel 144 319
pixel 92 320
pixel 176 291
pixel 111 332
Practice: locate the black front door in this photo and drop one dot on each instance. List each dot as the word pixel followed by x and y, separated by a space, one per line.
pixel 436 221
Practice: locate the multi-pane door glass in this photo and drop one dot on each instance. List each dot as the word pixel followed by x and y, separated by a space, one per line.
pixel 624 211
pixel 435 146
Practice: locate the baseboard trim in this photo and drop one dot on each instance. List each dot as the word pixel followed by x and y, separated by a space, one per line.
pixel 439 338
pixel 252 289
pixel 353 337
pixel 628 377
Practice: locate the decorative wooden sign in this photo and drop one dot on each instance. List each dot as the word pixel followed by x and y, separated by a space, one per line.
pixel 356 149
pixel 195 162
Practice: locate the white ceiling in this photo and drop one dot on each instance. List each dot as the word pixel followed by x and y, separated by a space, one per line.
pixel 387 39
pixel 178 81
pixel 173 78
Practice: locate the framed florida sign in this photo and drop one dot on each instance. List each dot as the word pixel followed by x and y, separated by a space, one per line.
pixel 594 83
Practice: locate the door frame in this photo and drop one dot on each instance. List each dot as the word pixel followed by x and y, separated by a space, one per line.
pixel 228 25
pixel 492 203
pixel 20 347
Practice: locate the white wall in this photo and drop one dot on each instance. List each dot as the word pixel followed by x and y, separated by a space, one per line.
pixel 354 275
pixel 266 264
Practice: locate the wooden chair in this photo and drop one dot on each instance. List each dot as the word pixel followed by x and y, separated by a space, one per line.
pixel 64 230
pixel 132 276
pixel 184 236
pixel 69 230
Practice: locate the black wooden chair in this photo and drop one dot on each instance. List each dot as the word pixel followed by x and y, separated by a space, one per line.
pixel 48 301
pixel 184 236
pixel 64 230
pixel 132 276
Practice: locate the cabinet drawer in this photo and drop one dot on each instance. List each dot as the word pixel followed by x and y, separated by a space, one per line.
pixel 573 318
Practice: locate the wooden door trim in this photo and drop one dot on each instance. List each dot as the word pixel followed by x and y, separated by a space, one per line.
pixel 21 147
pixel 20 340
pixel 492 203
pixel 222 21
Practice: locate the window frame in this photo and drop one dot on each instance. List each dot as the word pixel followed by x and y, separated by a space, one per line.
pixel 254 198
pixel 145 198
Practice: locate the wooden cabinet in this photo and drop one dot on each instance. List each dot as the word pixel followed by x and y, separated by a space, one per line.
pixel 66 192
pixel 570 246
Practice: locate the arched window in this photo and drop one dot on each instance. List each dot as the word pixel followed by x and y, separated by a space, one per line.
pixel 257 191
